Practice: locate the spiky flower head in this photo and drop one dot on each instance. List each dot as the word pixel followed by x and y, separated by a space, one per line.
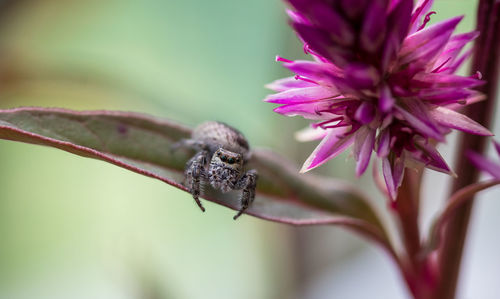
pixel 381 81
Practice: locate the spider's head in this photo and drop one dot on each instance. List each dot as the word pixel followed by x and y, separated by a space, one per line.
pixel 228 159
pixel 225 169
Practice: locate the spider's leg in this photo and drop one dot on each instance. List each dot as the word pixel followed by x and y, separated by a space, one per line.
pixel 247 182
pixel 196 173
pixel 188 143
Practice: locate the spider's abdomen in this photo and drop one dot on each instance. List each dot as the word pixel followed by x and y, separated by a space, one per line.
pixel 219 134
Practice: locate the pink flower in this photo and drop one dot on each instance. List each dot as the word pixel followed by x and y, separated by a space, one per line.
pixel 486 165
pixel 381 81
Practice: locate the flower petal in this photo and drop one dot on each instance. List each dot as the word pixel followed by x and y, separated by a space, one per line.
pixel 288 83
pixel 421 9
pixel 316 71
pixel 443 96
pixel 454 47
pixel 302 95
pixel 363 147
pixel 320 41
pixel 399 20
pixel 426 43
pixel 417 117
pixel 440 80
pixel 398 23
pixel 474 98
pixel 373 29
pixel 386 100
pixel 383 144
pixel 338 28
pixel 458 62
pixel 365 113
pixel 455 120
pixel 310 134
pixel 393 174
pixel 332 145
pixel 297 17
pixel 484 164
pixel 361 76
pixel 429 156
pixel 312 110
pixel 353 8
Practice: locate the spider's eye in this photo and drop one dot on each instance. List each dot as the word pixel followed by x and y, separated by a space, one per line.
pixel 237 160
pixel 223 158
pixel 230 160
pixel 218 154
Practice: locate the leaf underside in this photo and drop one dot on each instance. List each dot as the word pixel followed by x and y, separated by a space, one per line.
pixel 143 144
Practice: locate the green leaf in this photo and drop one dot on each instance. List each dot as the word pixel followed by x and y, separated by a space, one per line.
pixel 143 144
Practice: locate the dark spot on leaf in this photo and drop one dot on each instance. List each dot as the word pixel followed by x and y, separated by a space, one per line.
pixel 122 129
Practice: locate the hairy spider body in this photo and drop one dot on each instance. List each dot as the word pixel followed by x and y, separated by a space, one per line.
pixel 222 153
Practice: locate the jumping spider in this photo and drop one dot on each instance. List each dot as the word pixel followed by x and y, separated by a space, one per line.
pixel 222 153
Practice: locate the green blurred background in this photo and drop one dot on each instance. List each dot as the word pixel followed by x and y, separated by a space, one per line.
pixel 78 228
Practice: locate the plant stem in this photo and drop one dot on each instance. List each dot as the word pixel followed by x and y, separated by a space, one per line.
pixel 486 61
pixel 406 207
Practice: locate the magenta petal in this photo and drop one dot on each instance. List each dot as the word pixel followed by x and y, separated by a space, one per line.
pixel 431 157
pixel 316 71
pixel 288 83
pixel 383 146
pixel 393 174
pixel 365 113
pixel 389 52
pixel 314 110
pixel 361 76
pixel 301 5
pixel 399 20
pixel 440 80
pixel 443 96
pixel 455 120
pixel 320 41
pixel 359 139
pixel 302 95
pixel 353 8
pixel 458 62
pixel 332 145
pixel 427 53
pixel 454 47
pixel 297 17
pixel 310 134
pixel 425 126
pixel 421 9
pixel 484 164
pixel 474 98
pixel 338 28
pixel 386 100
pixel 373 29
pixel 428 40
pixel 363 147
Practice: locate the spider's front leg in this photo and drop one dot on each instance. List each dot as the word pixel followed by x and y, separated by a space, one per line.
pixel 248 182
pixel 195 173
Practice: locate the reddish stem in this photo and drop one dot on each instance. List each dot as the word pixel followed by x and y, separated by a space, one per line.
pixel 486 61
pixel 406 207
